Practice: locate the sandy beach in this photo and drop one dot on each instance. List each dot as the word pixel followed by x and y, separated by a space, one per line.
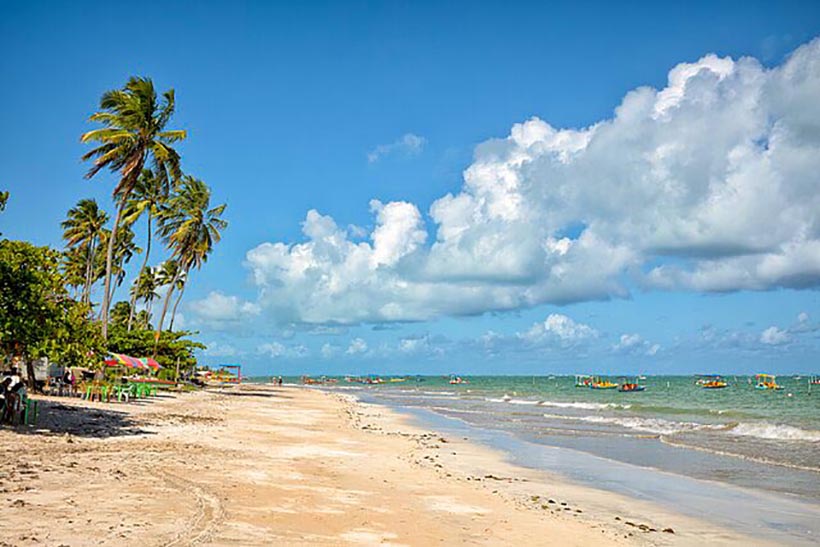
pixel 258 465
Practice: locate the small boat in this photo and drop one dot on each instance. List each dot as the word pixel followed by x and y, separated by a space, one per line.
pixel 814 381
pixel 601 383
pixel 625 386
pixel 583 380
pixel 766 381
pixel 458 380
pixel 711 381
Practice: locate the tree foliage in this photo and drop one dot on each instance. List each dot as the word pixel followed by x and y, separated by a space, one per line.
pixel 37 316
pixel 133 133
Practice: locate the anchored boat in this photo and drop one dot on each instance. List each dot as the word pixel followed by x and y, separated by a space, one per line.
pixel 583 380
pixel 766 381
pixel 625 385
pixel 711 381
pixel 602 383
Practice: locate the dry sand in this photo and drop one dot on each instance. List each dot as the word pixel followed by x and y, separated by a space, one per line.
pixel 258 465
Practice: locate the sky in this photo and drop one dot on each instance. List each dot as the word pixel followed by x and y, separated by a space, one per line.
pixel 458 187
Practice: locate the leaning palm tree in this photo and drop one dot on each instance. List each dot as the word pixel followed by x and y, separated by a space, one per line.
pixel 148 196
pixel 82 229
pixel 179 286
pixel 133 135
pixel 191 228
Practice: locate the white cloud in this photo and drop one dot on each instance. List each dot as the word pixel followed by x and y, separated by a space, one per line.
pixel 357 346
pixel 709 184
pixel 329 350
pixel 276 350
pixel 219 308
pixel 560 327
pixel 635 344
pixel 803 317
pixel 408 144
pixel 216 349
pixel 774 336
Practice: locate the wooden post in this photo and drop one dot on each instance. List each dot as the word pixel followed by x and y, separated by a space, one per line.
pixel 176 378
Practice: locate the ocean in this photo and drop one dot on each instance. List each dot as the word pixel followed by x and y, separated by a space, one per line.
pixel 740 457
pixel 761 439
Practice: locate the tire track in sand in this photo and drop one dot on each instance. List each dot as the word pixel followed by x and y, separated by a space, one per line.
pixel 208 517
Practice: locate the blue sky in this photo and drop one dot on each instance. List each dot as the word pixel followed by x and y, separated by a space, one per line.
pixel 298 107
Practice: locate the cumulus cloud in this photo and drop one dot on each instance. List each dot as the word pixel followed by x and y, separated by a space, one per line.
pixel 357 346
pixel 220 308
pixel 709 184
pixel 559 327
pixel 276 350
pixel 216 349
pixel 635 344
pixel 774 336
pixel 408 145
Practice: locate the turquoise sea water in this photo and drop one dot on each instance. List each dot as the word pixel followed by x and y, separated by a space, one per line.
pixel 749 437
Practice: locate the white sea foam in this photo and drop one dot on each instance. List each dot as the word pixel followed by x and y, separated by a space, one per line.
pixel 584 406
pixel 764 430
pixel 648 425
pixel 558 404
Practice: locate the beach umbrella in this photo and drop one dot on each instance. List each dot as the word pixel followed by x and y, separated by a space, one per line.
pixel 150 363
pixel 120 360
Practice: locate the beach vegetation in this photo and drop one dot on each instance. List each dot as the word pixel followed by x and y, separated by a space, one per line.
pixel 190 228
pixel 133 135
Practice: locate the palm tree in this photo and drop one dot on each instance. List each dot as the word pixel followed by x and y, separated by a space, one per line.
pixel 124 251
pixel 145 288
pixel 191 228
pixel 180 287
pixel 132 135
pixel 148 196
pixel 75 270
pixel 82 230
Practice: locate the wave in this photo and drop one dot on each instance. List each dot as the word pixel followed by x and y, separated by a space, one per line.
pixel 764 430
pixel 558 404
pixel 456 410
pixel 657 426
pixel 584 406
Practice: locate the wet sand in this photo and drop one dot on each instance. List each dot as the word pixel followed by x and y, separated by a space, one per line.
pixel 258 465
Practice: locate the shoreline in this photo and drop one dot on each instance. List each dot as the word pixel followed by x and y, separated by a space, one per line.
pixel 255 464
pixel 731 506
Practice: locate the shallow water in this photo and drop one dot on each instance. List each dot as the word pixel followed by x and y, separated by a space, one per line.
pixel 767 440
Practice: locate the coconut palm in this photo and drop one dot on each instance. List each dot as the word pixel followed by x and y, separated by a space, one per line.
pixel 124 251
pixel 133 135
pixel 82 230
pixel 145 289
pixel 179 286
pixel 75 270
pixel 148 196
pixel 191 228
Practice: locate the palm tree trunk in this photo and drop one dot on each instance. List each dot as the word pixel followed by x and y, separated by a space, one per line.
pixel 109 264
pixel 174 311
pixel 142 271
pixel 89 270
pixel 164 311
pixel 87 283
